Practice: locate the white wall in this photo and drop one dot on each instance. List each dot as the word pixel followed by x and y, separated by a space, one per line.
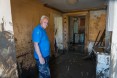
pixel 7 48
pixel 113 67
pixel 59 33
pixel 5 14
pixel 110 16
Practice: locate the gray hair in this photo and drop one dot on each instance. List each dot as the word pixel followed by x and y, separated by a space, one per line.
pixel 43 16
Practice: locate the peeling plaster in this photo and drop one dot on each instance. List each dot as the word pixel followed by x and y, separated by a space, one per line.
pixel 8 67
pixel 103 65
pixel 112 24
pixel 7 54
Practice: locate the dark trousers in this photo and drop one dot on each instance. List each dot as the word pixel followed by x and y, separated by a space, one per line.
pixel 44 71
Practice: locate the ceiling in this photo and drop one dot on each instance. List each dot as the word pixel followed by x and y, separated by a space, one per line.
pixel 74 5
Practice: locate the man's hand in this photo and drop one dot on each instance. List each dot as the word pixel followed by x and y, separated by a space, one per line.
pixel 42 60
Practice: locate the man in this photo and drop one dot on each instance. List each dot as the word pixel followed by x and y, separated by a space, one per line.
pixel 41 47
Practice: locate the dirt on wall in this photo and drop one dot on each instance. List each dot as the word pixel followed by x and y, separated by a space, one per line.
pixel 97 22
pixel 8 67
pixel 26 15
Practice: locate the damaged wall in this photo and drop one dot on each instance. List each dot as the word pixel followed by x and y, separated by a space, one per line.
pixel 97 22
pixel 102 65
pixel 26 15
pixel 113 24
pixel 7 46
pixel 65 31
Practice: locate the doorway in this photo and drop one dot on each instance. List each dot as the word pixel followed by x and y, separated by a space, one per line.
pixel 77 32
pixel 58 34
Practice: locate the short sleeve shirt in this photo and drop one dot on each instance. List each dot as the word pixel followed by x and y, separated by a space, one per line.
pixel 39 35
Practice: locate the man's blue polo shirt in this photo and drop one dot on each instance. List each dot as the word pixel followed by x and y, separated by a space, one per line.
pixel 39 35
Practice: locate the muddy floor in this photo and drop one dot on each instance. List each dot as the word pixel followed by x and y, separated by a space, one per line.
pixel 71 65
pixel 68 64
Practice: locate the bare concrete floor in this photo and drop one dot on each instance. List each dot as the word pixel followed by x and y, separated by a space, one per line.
pixel 71 65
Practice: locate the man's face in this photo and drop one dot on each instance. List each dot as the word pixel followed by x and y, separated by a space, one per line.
pixel 44 22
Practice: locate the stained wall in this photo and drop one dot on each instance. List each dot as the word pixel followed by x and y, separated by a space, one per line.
pixel 97 22
pixel 26 15
pixel 8 67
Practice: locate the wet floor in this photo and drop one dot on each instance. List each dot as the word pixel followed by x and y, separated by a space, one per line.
pixel 72 65
pixel 68 64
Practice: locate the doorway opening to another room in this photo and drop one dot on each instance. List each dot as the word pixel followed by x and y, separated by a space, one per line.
pixel 58 35
pixel 76 33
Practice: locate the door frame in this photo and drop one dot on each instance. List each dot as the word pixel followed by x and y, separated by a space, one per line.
pixel 86 14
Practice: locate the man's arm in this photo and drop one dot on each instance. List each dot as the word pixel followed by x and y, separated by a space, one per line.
pixel 37 49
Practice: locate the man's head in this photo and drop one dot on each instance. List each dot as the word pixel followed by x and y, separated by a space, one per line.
pixel 44 21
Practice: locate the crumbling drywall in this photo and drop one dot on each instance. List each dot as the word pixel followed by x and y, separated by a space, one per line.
pixel 8 67
pixel 103 65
